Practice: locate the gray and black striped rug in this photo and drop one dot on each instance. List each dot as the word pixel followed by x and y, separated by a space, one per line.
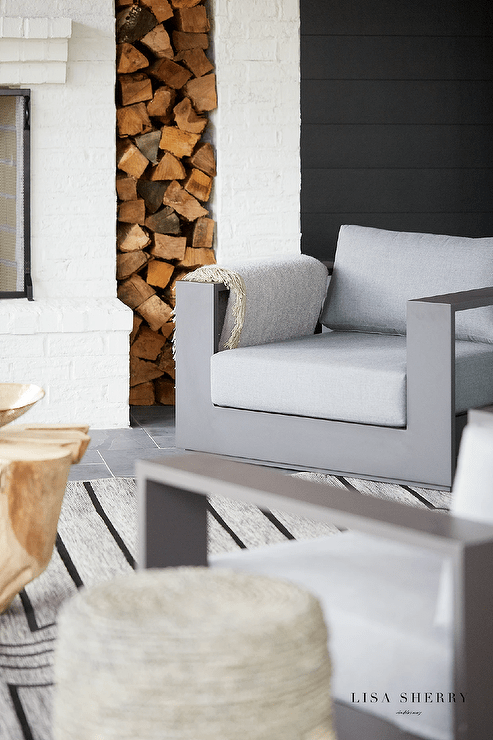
pixel 97 540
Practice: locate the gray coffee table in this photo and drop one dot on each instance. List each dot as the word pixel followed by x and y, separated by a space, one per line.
pixel 172 495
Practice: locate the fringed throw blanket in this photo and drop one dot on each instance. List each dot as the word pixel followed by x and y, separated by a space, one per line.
pixel 235 283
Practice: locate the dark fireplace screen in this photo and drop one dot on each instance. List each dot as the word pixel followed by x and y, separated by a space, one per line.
pixel 15 281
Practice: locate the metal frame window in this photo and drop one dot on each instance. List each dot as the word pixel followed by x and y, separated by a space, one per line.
pixel 15 251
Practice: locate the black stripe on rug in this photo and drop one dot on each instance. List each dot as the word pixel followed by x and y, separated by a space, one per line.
pixel 280 526
pixel 19 711
pixel 225 526
pixel 68 562
pixel 419 497
pixel 30 613
pixel 116 536
pixel 26 644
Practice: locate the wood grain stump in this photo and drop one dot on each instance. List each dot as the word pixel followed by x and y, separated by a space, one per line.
pixel 34 466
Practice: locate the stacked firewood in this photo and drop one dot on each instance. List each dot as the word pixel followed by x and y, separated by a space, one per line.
pixel 165 88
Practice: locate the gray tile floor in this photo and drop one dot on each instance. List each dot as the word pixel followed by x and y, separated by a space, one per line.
pixel 113 452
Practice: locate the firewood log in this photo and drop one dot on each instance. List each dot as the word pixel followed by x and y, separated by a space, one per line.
pixel 182 202
pixel 166 362
pixel 161 106
pixel 202 92
pixel 131 237
pixel 192 20
pixel 159 42
pixel 152 192
pixel 130 262
pixel 186 118
pixel 169 168
pixel 203 159
pixel 183 41
pixel 178 142
pixel 164 221
pixel 155 312
pixel 135 88
pixel 203 233
pixel 134 291
pixel 165 391
pixel 159 273
pixel 133 120
pixel 172 74
pixel 160 8
pixel 169 247
pixel 196 61
pixel 149 145
pixel 184 3
pixel 198 184
pixel 138 320
pixel 129 59
pixel 198 257
pixel 132 211
pixel 148 344
pixel 130 159
pixel 133 23
pixel 126 187
pixel 142 394
pixel 167 329
pixel 142 371
pixel 179 273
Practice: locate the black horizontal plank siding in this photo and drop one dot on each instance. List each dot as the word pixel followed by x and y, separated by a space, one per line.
pixel 398 190
pixel 397 118
pixel 324 146
pixel 391 17
pixel 397 101
pixel 398 57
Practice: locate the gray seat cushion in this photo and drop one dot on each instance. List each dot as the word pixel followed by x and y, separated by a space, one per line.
pixel 377 271
pixel 339 375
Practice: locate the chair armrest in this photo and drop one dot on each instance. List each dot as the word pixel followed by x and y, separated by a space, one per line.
pixel 431 367
pixel 212 475
pixel 462 300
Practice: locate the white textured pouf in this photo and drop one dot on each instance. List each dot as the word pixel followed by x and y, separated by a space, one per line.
pixel 192 654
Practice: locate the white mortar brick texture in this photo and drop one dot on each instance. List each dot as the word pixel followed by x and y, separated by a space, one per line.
pixel 257 127
pixel 73 338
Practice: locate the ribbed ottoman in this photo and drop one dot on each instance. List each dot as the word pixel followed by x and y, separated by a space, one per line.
pixel 192 654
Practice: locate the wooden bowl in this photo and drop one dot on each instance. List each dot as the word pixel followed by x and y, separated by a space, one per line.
pixel 16 399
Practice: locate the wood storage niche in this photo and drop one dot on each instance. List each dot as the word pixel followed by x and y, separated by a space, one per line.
pixel 166 87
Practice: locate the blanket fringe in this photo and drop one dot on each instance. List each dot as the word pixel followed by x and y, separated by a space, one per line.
pixel 235 283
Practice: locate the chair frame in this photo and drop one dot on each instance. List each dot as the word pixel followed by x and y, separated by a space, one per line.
pixel 172 517
pixel 423 453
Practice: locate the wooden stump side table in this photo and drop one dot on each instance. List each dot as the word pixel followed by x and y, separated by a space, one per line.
pixel 35 462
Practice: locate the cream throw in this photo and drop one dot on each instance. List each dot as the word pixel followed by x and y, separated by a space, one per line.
pixel 235 283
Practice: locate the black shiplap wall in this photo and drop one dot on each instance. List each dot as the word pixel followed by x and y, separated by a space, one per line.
pixel 397 117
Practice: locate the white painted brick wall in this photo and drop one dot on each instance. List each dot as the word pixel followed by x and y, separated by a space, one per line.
pixel 76 350
pixel 256 127
pixel 73 339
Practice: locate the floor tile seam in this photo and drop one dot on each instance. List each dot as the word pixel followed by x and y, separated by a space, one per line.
pixel 150 437
pixel 106 464
pixel 145 430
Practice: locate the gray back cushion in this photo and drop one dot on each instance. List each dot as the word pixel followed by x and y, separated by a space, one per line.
pixel 376 272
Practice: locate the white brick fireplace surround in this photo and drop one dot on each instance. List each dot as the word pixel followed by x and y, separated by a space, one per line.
pixel 73 339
